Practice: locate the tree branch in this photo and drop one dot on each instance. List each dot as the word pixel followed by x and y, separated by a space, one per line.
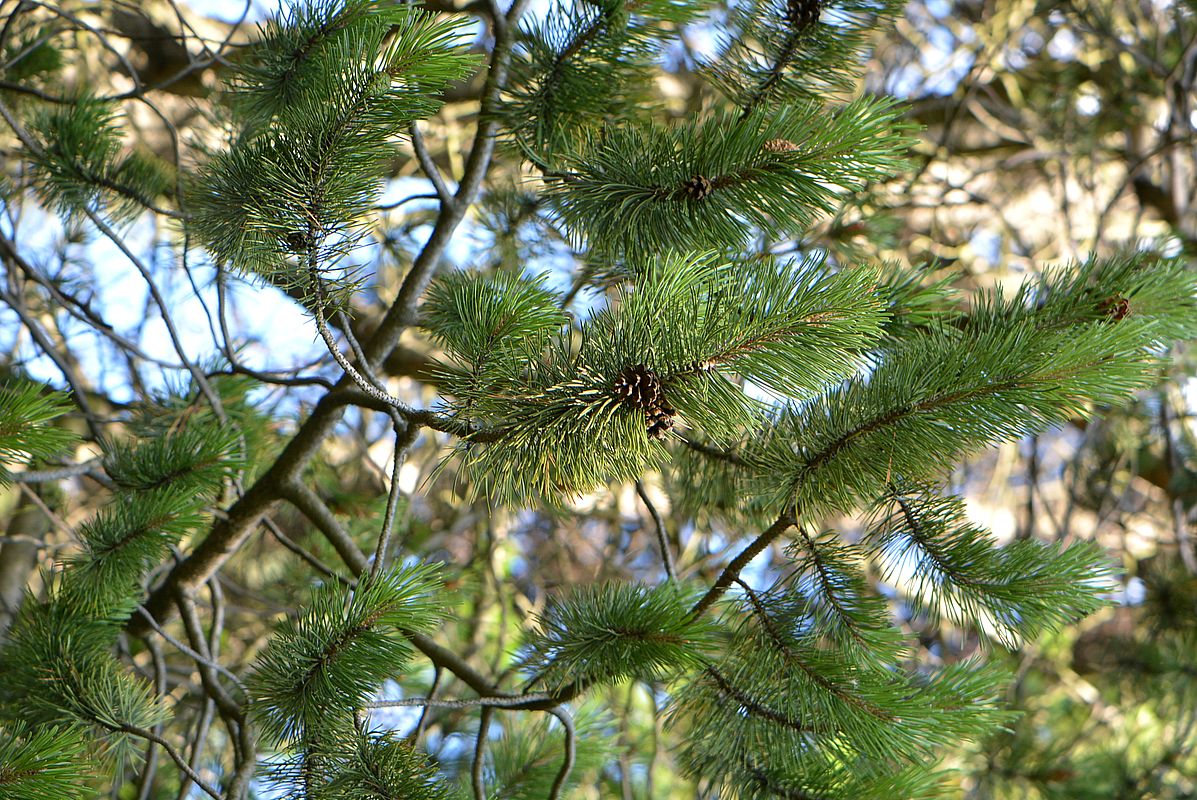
pixel 732 571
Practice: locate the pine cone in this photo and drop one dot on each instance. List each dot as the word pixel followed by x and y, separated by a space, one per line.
pixel 696 367
pixel 1117 308
pixel 297 242
pixel 779 146
pixel 638 386
pixel 698 187
pixel 660 420
pixel 801 14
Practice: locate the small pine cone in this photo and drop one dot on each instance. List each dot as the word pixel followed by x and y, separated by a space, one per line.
pixel 1116 308
pixel 660 420
pixel 698 187
pixel 801 14
pixel 695 367
pixel 638 386
pixel 779 146
pixel 297 242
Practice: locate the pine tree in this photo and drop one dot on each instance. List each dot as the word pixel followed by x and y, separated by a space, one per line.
pixel 771 396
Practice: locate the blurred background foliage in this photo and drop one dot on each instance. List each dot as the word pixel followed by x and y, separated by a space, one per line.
pixel 1049 130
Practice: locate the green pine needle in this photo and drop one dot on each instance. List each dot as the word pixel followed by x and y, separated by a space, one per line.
pixel 525 762
pixel 195 460
pixel 581 64
pixel 615 632
pixel 786 699
pixel 767 60
pixel 121 544
pixel 939 397
pixel 319 668
pixel 955 570
pixel 26 411
pixel 827 587
pixel 381 766
pixel 548 416
pixel 46 762
pixel 60 670
pixel 638 189
pixel 78 166
pixel 323 101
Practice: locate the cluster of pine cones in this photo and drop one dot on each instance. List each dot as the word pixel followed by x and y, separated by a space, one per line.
pixel 639 387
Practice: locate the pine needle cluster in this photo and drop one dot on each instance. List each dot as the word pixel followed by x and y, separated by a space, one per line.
pixel 320 669
pixel 318 107
pixel 25 433
pixel 59 656
pixel 81 165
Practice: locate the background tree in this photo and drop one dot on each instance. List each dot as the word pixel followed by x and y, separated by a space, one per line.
pixel 668 355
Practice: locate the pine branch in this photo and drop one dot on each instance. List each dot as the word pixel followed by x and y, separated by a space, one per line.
pixel 779 51
pixel 555 418
pixel 1015 592
pixel 827 581
pixel 297 192
pixel 659 529
pixel 579 67
pixel 368 766
pixel 319 668
pixel 26 411
pixel 43 762
pixel 610 633
pixel 753 708
pixel 939 397
pixel 786 647
pixel 74 151
pixel 643 188
pixel 731 572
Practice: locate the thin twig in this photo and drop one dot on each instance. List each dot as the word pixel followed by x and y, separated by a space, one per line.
pixel 229 708
pixel 289 543
pixel 146 781
pixel 55 520
pixel 197 748
pixel 187 651
pixel 60 473
pixel 501 701
pixel 42 339
pixel 311 506
pixel 170 751
pixel 404 435
pixel 479 754
pixel 429 166
pixel 662 542
pixel 567 763
pixel 418 731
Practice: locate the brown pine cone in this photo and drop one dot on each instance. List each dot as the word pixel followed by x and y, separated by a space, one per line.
pixel 660 420
pixel 1116 308
pixel 801 14
pixel 638 386
pixel 698 187
pixel 296 242
pixel 779 146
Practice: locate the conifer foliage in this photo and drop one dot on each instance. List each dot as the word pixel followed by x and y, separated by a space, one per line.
pixel 773 397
